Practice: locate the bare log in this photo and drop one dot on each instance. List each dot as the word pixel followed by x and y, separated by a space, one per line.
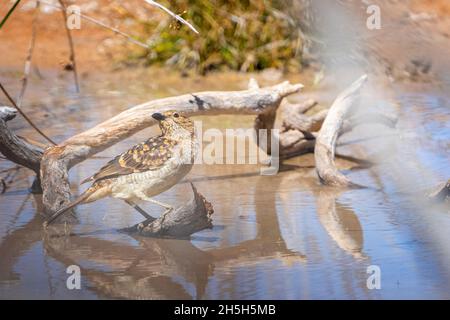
pixel 192 217
pixel 294 117
pixel 14 148
pixel 59 159
pixel 298 131
pixel 295 142
pixel 325 147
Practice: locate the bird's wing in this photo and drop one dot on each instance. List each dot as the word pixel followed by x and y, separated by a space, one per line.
pixel 148 155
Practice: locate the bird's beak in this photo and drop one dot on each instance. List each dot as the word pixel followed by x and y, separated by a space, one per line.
pixel 158 116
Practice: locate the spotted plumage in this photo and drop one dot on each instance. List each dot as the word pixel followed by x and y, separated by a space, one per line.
pixel 146 169
pixel 148 155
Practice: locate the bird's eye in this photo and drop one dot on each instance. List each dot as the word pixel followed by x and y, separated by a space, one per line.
pixel 176 115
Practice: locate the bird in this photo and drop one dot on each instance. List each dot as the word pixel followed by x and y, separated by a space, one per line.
pixel 146 169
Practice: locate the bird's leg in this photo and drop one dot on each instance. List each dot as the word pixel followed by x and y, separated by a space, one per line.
pixel 168 208
pixel 140 210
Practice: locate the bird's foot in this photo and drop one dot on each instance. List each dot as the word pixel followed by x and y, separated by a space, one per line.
pixel 144 224
pixel 164 215
pixel 141 226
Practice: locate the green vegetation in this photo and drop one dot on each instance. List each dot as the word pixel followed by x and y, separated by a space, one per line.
pixel 244 35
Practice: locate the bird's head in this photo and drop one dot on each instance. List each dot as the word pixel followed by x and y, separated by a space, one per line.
pixel 173 121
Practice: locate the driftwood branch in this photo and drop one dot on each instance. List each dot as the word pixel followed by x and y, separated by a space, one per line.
pixel 59 159
pixel 192 217
pixel 14 148
pixel 325 147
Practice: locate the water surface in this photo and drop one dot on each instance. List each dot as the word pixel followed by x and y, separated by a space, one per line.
pixel 281 237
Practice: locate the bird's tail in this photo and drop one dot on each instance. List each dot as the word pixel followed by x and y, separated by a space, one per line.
pixel 65 209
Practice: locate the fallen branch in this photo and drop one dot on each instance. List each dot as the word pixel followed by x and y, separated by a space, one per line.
pixel 192 217
pixel 59 159
pixel 325 147
pixel 14 148
pixel 17 150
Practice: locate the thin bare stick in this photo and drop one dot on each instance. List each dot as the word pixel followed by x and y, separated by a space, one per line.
pixel 8 14
pixel 25 116
pixel 115 30
pixel 72 50
pixel 101 24
pixel 27 68
pixel 176 16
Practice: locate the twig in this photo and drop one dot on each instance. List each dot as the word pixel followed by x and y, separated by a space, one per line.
pixel 27 68
pixel 9 13
pixel 25 116
pixel 176 16
pixel 72 50
pixel 101 24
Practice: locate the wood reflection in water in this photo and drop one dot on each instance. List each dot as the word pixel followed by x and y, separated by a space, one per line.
pixel 153 269
pixel 341 223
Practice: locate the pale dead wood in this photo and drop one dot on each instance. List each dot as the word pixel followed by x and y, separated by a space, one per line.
pixel 294 117
pixel 266 121
pixel 295 142
pixel 191 217
pixel 59 159
pixel 298 131
pixel 325 147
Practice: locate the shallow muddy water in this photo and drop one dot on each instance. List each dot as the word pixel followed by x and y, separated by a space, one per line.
pixel 282 236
